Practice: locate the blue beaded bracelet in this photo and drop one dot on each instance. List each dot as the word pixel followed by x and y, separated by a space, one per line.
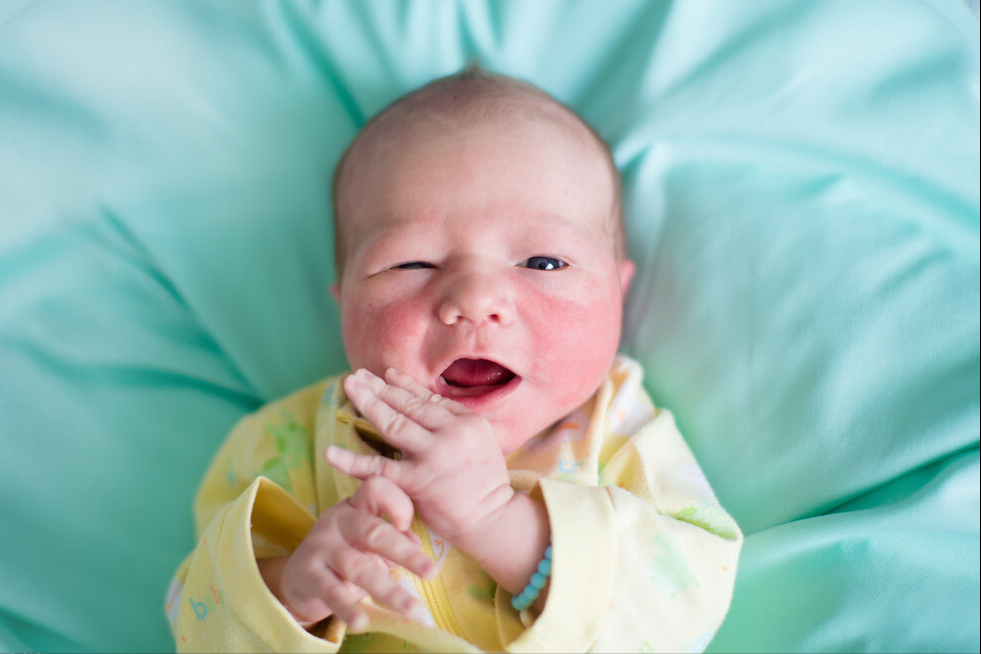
pixel 535 585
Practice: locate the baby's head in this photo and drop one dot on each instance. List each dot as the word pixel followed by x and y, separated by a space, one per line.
pixel 480 250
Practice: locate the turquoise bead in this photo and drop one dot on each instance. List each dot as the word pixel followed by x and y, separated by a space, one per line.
pixel 535 584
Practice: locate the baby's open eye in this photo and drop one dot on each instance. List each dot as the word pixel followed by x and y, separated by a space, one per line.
pixel 543 263
pixel 413 265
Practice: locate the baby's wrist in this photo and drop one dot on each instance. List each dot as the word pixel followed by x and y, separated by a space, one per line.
pixel 510 547
pixel 476 533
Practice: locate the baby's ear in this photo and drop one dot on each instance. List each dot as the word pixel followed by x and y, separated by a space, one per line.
pixel 627 270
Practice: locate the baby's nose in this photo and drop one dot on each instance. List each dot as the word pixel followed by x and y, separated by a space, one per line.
pixel 476 298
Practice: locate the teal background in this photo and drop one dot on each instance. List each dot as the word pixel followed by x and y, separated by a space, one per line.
pixel 802 196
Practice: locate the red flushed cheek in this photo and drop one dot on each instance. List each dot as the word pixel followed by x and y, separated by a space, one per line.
pixel 575 343
pixel 377 336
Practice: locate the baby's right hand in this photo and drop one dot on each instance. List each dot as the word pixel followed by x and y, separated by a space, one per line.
pixel 348 554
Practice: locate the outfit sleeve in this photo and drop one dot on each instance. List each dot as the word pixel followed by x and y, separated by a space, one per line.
pixel 643 562
pixel 257 500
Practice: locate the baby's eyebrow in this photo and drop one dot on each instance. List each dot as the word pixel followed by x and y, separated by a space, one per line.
pixel 557 221
pixel 539 230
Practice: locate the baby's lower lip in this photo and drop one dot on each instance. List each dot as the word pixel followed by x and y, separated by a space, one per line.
pixel 474 397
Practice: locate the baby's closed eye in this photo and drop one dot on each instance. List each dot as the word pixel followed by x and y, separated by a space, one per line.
pixel 413 265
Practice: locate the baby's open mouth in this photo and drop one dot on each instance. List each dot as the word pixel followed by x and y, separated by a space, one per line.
pixel 473 377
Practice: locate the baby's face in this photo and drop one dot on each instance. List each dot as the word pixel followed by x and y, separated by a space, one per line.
pixel 482 263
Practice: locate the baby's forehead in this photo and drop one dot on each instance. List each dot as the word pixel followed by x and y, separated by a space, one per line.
pixel 403 163
pixel 456 111
pixel 385 140
pixel 503 115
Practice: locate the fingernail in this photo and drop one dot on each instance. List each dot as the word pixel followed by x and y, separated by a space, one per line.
pixel 364 374
pixel 335 454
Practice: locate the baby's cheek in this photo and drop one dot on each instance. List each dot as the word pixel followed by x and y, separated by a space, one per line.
pixel 377 336
pixel 576 342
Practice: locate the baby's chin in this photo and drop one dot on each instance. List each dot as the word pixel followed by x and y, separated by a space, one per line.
pixel 545 412
pixel 512 435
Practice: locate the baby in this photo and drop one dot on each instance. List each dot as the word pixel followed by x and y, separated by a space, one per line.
pixel 492 476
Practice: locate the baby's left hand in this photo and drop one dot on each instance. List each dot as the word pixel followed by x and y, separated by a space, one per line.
pixel 452 466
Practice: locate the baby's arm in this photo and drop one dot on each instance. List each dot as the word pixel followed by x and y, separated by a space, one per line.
pixel 453 469
pixel 347 556
pixel 648 557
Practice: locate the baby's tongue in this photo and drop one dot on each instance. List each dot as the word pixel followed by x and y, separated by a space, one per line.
pixel 476 372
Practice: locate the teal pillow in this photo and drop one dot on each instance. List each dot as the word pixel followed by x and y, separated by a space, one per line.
pixel 801 186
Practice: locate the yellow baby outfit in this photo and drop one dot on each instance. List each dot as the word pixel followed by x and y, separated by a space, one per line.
pixel 643 556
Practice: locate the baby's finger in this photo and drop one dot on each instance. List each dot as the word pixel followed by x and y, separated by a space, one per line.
pixel 370 573
pixel 363 466
pixel 376 536
pixel 398 378
pixel 392 410
pixel 393 541
pixel 417 407
pixel 380 495
pixel 325 588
